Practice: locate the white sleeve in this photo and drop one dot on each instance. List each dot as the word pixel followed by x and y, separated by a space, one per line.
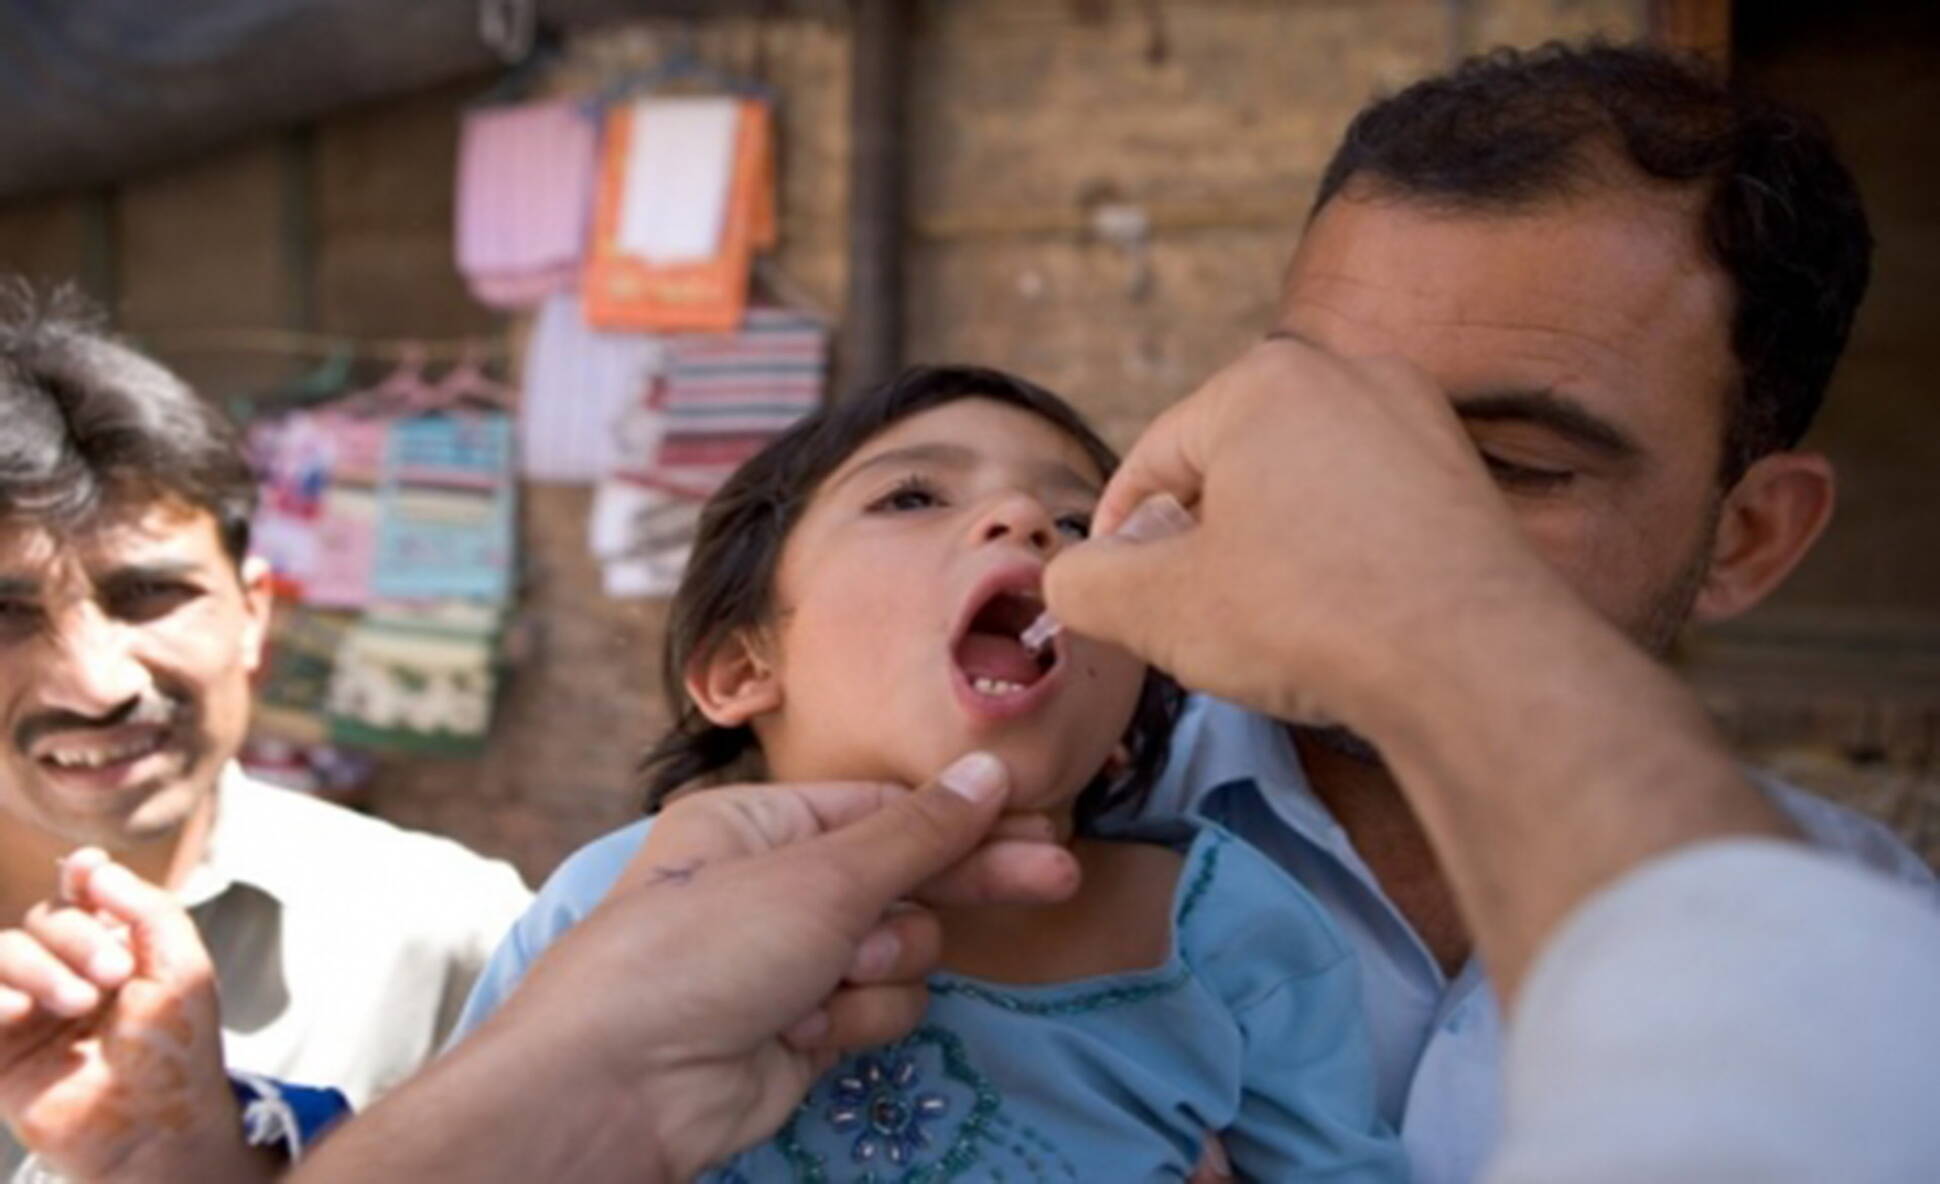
pixel 1741 1010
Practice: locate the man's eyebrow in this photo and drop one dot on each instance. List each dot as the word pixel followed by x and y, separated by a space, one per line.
pixel 20 586
pixel 1547 409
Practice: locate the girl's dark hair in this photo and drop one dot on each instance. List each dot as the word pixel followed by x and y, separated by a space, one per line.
pixel 729 584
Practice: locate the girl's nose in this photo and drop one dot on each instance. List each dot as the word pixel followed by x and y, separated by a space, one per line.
pixel 1020 518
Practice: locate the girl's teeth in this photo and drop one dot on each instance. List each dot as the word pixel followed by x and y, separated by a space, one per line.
pixel 995 686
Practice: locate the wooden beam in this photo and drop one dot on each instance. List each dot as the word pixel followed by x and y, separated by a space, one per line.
pixel 874 338
pixel 95 94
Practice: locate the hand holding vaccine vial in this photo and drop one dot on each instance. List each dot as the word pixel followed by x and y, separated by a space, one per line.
pixel 1154 518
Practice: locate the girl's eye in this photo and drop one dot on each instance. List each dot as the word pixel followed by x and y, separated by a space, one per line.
pixel 1526 478
pixel 912 494
pixel 1078 526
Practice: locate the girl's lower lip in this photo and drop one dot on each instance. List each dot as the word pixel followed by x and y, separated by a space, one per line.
pixel 998 708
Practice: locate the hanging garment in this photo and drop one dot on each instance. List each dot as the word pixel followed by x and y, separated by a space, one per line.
pixel 642 537
pixel 293 463
pixel 416 677
pixel 346 524
pixel 292 694
pixel 524 200
pixel 447 508
pixel 685 200
pixel 721 398
pixel 725 396
pixel 578 384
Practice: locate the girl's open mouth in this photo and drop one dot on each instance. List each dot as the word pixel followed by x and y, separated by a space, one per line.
pixel 998 673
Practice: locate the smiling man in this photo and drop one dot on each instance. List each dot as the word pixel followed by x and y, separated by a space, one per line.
pixel 1632 284
pixel 131 621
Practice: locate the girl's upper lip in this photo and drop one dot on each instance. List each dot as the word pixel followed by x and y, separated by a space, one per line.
pixel 1024 579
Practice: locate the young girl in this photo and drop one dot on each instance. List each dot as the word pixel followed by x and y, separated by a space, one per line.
pixel 852 611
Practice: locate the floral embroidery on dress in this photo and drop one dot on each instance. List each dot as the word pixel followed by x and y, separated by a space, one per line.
pixel 879 1099
pixel 915 1112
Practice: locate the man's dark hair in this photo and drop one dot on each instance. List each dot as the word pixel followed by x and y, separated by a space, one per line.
pixel 729 584
pixel 1781 214
pixel 89 425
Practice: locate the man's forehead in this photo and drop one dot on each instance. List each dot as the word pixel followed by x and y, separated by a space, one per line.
pixel 120 535
pixel 1605 296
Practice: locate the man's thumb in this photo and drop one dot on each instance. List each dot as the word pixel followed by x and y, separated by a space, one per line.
pixel 167 944
pixel 916 836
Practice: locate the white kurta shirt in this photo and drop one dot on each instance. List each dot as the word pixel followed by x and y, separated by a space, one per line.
pixel 344 946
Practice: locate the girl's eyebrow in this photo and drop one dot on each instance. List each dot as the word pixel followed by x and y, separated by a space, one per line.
pixel 1053 473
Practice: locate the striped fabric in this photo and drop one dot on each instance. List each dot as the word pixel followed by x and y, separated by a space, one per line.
pixel 524 200
pixel 578 385
pixel 724 396
pixel 447 510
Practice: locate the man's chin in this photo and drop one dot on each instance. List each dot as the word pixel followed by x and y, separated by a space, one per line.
pixel 137 816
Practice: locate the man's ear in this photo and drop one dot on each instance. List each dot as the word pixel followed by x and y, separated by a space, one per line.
pixel 259 600
pixel 1769 520
pixel 734 682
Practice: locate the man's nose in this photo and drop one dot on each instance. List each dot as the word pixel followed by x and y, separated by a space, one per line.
pixel 93 667
pixel 1020 518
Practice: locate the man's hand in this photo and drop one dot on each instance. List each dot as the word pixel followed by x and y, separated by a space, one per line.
pixel 1352 563
pixel 757 931
pixel 1341 510
pixel 110 1047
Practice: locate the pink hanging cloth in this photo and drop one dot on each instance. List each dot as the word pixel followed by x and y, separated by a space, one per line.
pixel 524 200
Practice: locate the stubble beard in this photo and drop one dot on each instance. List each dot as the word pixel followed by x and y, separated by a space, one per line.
pixel 1655 632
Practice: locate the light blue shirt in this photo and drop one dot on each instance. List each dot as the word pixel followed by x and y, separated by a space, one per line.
pixel 1251 1028
pixel 1436 1040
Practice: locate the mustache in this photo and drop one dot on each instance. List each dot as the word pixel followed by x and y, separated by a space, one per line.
pixel 152 707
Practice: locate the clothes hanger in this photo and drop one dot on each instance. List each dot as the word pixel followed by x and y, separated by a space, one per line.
pixel 465 386
pixel 396 392
pixel 683 66
pixel 325 380
pixel 524 78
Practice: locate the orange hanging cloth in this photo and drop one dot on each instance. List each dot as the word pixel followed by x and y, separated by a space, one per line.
pixel 657 261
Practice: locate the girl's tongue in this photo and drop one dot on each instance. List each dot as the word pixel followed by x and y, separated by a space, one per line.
pixel 995 656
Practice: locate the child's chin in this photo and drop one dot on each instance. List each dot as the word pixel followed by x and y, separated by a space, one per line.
pixel 1037 781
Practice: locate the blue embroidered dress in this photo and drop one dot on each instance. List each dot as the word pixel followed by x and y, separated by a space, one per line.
pixel 1252 1028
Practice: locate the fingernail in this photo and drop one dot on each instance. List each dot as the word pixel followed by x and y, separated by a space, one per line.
pixel 13 1005
pixel 1155 518
pixel 976 777
pixel 72 999
pixel 112 882
pixel 877 955
pixel 70 868
pixel 111 966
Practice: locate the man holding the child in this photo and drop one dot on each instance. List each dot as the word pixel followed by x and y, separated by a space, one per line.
pixel 1634 315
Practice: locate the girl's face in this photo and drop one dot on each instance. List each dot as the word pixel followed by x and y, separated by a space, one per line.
pixel 900 595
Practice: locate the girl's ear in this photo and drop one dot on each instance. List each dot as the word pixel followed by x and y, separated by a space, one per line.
pixel 733 683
